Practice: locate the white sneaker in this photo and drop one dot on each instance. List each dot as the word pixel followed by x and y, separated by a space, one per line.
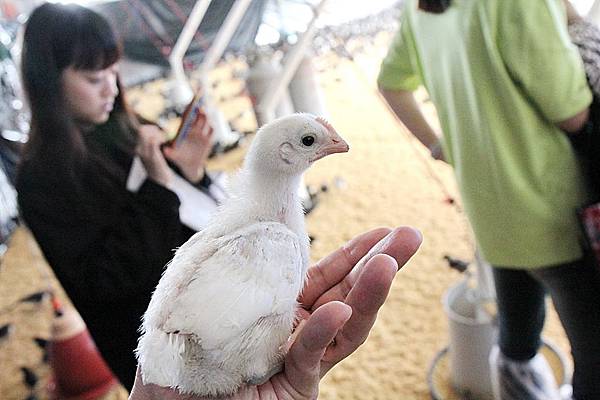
pixel 522 380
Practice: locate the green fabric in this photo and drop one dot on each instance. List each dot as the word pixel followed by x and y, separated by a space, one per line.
pixel 500 72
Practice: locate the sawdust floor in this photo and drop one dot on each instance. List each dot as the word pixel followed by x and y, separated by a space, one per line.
pixel 385 180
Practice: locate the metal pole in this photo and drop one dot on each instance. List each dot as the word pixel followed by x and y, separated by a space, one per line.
pixel 223 36
pixel 222 131
pixel 181 92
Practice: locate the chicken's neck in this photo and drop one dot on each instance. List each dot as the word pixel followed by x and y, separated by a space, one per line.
pixel 274 198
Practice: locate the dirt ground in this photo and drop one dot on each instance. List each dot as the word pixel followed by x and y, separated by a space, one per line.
pixel 385 180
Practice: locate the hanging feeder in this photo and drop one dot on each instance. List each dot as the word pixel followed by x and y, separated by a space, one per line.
pixel 461 370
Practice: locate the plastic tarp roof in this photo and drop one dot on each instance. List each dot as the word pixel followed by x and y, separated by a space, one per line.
pixel 149 28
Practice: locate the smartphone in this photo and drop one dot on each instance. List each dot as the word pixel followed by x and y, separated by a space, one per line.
pixel 187 120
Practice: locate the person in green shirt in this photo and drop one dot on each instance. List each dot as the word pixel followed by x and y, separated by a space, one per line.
pixel 508 87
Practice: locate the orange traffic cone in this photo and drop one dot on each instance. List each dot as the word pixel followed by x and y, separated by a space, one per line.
pixel 79 372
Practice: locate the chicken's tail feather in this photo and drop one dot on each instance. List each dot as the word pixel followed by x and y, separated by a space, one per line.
pixel 176 360
pixel 161 356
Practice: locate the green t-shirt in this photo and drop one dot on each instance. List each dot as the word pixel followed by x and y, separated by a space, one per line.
pixel 501 73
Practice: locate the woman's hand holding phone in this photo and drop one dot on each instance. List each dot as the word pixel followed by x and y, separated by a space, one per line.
pixel 150 138
pixel 190 153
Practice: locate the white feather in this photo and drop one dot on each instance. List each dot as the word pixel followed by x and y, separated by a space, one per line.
pixel 234 298
pixel 226 303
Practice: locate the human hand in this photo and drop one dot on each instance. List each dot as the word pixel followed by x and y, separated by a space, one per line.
pixel 191 155
pixel 150 139
pixel 339 305
pixel 360 275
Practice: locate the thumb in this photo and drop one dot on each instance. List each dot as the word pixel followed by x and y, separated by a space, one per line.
pixel 302 363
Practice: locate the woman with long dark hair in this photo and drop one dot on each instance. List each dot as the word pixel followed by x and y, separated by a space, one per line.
pixel 107 246
pixel 508 87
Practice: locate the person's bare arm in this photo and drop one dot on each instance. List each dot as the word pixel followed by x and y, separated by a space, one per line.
pixel 405 106
pixel 574 124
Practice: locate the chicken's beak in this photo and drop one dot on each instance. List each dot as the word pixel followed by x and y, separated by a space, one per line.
pixel 335 145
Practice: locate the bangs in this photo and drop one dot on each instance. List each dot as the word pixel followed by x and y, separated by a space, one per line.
pixel 97 46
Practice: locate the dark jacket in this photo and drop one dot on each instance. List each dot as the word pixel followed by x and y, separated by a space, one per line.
pixel 107 246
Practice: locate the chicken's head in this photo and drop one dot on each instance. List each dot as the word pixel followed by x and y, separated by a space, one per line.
pixel 289 145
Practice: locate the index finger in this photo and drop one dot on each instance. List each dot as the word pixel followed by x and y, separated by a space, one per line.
pixel 329 271
pixel 401 244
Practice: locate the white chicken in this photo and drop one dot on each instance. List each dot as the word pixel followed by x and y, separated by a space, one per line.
pixel 225 306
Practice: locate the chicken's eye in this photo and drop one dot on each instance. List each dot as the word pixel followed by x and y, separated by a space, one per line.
pixel 308 140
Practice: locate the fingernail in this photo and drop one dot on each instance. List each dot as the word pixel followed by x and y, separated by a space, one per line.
pixel 349 310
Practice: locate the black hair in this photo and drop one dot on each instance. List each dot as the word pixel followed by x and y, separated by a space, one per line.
pixel 58 37
pixel 434 6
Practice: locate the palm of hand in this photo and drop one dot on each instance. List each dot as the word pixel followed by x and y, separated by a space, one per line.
pixel 191 155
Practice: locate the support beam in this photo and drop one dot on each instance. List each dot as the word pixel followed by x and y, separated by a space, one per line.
pixel 181 92
pixel 223 37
